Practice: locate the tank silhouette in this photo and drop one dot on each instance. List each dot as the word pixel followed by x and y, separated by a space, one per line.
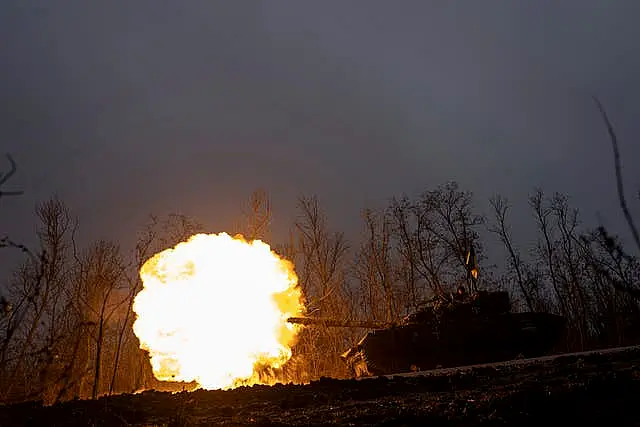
pixel 447 332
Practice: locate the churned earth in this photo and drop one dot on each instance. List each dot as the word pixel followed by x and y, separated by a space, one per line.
pixel 573 389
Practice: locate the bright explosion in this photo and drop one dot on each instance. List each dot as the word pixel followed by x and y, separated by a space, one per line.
pixel 214 308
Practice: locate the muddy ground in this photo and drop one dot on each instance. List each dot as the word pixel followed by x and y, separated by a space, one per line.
pixel 597 388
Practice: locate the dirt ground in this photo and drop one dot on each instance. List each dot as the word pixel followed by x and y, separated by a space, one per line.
pixel 570 390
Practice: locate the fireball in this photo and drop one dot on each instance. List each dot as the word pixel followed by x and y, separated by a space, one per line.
pixel 214 308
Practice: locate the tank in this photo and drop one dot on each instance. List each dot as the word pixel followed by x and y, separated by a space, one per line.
pixel 448 332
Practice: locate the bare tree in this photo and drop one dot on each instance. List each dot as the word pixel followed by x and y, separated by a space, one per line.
pixel 526 286
pixel 38 293
pixel 546 247
pixel 620 268
pixel 99 280
pixel 614 277
pixel 6 307
pixel 432 236
pixel 374 268
pixel 582 272
pixel 407 245
pixel 257 214
pixel 321 258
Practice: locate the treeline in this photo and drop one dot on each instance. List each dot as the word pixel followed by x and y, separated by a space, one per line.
pixel 66 318
pixel 66 314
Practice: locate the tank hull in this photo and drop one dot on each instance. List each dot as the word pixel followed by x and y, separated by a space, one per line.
pixel 456 342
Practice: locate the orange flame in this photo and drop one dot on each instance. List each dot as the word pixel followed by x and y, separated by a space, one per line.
pixel 214 307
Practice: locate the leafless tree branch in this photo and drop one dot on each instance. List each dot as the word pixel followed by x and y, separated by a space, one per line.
pixel 5 177
pixel 619 181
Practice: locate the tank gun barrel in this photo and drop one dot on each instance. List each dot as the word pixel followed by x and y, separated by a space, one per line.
pixel 337 323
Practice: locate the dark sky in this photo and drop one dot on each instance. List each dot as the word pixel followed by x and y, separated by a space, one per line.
pixel 130 108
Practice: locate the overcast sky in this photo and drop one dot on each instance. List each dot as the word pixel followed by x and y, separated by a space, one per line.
pixel 125 108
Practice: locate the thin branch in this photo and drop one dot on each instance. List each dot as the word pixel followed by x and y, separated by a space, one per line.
pixel 616 159
pixel 4 178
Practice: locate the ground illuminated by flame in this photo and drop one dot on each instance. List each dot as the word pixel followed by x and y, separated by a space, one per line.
pixel 214 305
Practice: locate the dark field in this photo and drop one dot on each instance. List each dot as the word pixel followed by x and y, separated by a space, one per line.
pixel 568 390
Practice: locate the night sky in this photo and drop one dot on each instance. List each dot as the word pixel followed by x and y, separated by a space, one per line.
pixel 126 108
